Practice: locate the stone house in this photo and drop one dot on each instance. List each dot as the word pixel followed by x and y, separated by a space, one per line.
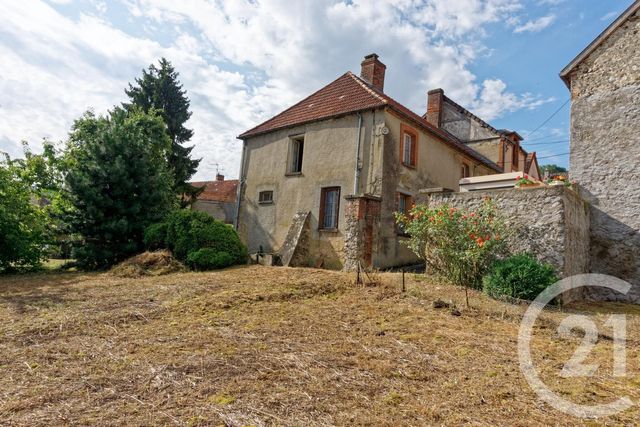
pixel 321 181
pixel 218 198
pixel 604 81
pixel 501 146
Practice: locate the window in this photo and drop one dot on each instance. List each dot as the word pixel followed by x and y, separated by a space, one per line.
pixel 408 146
pixel 296 152
pixel 403 205
pixel 466 170
pixel 329 208
pixel 265 197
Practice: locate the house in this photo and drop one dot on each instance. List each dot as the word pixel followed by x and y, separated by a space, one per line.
pixel 321 181
pixel 502 146
pixel 604 81
pixel 218 198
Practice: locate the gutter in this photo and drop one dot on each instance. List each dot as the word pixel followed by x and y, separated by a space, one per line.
pixel 356 181
pixel 240 185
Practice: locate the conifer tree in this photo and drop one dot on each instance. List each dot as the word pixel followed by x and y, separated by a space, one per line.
pixel 160 89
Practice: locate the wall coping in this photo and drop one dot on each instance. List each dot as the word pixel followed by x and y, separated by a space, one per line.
pixel 517 193
pixel 363 196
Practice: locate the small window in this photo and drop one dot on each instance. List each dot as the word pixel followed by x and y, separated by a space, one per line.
pixel 265 197
pixel 404 204
pixel 296 153
pixel 329 208
pixel 466 170
pixel 408 146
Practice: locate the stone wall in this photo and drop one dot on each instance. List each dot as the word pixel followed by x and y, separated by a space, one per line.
pixel 362 226
pixel 552 223
pixel 605 153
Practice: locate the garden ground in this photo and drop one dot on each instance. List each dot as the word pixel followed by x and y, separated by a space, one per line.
pixel 278 346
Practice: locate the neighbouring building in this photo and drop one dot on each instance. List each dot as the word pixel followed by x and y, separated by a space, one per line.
pixel 321 181
pixel 604 81
pixel 501 146
pixel 218 198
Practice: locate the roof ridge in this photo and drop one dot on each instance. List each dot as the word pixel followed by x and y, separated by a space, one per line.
pixel 366 86
pixel 294 105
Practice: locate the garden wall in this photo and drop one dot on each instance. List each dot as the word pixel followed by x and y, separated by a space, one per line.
pixel 552 223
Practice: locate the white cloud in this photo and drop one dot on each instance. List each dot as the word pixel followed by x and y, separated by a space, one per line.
pixel 240 61
pixel 536 25
pixel 609 16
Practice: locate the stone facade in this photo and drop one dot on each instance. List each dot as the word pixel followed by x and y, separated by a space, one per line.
pixel 605 152
pixel 556 233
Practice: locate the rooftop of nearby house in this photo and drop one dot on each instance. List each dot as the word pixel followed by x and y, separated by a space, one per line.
pixel 349 94
pixel 565 74
pixel 220 190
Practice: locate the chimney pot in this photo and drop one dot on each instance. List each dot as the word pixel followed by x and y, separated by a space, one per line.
pixel 219 177
pixel 372 71
pixel 435 99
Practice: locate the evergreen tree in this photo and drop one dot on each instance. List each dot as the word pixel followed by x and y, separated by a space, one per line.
pixel 160 89
pixel 119 182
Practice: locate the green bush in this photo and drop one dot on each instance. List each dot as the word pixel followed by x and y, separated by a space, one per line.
pixel 155 236
pixel 520 276
pixel 187 232
pixel 209 259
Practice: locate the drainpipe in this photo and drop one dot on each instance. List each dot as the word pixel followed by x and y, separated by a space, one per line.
pixel 356 181
pixel 240 185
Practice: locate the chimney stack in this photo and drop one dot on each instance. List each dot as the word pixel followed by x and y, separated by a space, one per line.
pixel 372 71
pixel 435 98
pixel 219 177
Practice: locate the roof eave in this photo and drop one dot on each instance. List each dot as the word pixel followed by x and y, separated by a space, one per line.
pixel 565 74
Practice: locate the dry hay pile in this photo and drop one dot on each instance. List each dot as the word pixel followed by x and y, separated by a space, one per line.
pixel 148 264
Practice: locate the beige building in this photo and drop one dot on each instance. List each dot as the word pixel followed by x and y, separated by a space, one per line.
pixel 502 146
pixel 321 181
pixel 218 198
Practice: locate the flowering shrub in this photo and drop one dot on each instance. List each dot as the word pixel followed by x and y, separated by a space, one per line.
pixel 459 245
pixel 523 180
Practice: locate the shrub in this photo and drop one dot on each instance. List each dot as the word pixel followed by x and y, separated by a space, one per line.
pixel 186 233
pixel 209 259
pixel 459 245
pixel 155 236
pixel 189 231
pixel 520 276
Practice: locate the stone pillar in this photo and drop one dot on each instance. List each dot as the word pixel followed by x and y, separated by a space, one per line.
pixel 361 230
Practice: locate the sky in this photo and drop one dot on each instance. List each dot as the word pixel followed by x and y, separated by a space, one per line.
pixel 243 61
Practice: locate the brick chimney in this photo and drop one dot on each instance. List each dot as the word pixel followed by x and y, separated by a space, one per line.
pixel 372 71
pixel 219 177
pixel 435 99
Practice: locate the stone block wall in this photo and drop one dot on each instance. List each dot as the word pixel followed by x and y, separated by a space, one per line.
pixel 605 154
pixel 362 218
pixel 552 223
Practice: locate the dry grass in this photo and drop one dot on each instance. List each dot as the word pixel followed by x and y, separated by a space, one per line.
pixel 156 263
pixel 277 346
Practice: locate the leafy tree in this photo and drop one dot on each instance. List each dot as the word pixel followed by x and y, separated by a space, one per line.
pixel 160 89
pixel 552 169
pixel 23 224
pixel 119 182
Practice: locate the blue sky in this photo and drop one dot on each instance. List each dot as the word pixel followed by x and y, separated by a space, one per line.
pixel 243 61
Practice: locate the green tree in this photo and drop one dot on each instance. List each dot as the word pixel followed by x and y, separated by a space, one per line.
pixel 160 89
pixel 44 174
pixel 119 182
pixel 552 169
pixel 23 224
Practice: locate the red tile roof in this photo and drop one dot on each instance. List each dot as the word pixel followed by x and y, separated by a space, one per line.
pixel 347 95
pixel 218 191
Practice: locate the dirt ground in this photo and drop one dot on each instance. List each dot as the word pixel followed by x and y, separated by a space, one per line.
pixel 278 346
